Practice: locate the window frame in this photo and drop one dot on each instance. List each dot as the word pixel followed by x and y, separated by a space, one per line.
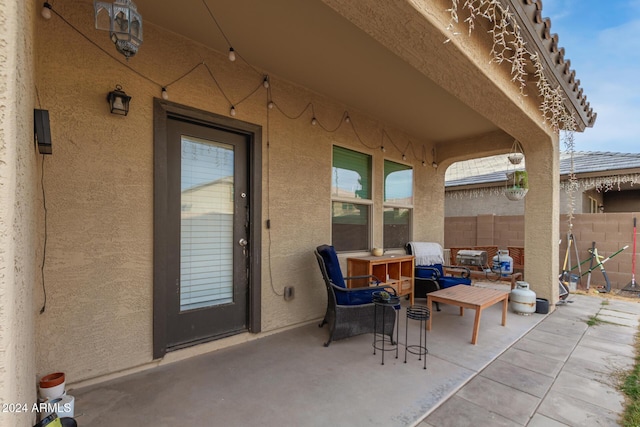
pixel 369 203
pixel 395 204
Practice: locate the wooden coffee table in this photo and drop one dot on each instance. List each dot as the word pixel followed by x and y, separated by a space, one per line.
pixel 465 296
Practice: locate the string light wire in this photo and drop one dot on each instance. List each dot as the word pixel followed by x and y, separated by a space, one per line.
pixel 46 234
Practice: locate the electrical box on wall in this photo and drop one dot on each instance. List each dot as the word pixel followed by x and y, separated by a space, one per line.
pixel 41 130
pixel 289 293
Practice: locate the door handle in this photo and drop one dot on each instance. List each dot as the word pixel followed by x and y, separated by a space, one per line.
pixel 243 242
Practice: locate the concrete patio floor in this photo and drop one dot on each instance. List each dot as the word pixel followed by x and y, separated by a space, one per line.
pixel 537 370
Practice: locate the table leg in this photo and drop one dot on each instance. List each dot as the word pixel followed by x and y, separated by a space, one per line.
pixel 476 326
pixel 461 311
pixel 505 305
pixel 430 311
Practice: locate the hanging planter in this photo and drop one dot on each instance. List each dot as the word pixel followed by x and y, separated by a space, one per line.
pixel 516 158
pixel 516 155
pixel 517 185
pixel 514 194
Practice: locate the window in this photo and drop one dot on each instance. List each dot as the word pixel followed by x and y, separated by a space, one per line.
pixel 398 203
pixel 593 205
pixel 351 200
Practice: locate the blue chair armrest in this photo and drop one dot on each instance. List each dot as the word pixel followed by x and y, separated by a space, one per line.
pixel 424 272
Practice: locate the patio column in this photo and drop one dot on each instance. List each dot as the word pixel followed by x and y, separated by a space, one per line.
pixel 541 219
pixel 19 252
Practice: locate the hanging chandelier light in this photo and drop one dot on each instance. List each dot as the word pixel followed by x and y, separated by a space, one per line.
pixel 124 23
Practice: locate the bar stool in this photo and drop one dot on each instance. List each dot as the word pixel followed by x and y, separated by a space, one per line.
pixel 421 313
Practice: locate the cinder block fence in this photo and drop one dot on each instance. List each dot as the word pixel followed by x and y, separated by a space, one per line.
pixel 610 231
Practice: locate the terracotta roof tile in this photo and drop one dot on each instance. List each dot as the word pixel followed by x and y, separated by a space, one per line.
pixel 532 11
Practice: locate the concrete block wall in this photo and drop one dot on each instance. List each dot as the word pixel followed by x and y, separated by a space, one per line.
pixel 485 230
pixel 610 231
pixel 509 231
pixel 459 231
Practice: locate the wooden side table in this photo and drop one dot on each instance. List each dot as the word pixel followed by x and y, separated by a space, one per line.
pixel 473 297
pixel 396 271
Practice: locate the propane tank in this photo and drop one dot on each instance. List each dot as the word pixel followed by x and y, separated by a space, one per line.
pixel 523 299
pixel 502 263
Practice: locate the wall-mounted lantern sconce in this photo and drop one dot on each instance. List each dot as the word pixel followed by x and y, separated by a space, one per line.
pixel 124 23
pixel 119 101
pixel 41 131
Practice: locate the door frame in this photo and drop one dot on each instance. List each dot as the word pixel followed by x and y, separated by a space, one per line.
pixel 162 111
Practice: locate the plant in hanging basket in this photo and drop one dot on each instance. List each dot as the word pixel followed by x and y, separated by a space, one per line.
pixel 521 179
pixel 517 185
pixel 515 194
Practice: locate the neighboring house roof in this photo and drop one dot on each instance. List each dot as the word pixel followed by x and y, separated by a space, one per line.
pixel 493 169
pixel 530 14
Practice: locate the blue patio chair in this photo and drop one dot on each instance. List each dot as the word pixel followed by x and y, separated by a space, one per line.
pixel 429 270
pixel 349 312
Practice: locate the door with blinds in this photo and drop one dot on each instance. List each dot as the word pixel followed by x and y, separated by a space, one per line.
pixel 207 219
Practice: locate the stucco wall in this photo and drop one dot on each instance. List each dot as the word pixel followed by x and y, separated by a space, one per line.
pixel 99 183
pixel 99 189
pixel 18 213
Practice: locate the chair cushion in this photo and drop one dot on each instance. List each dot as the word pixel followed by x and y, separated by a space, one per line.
pixel 443 281
pixel 428 273
pixel 447 282
pixel 439 267
pixel 328 254
pixel 361 296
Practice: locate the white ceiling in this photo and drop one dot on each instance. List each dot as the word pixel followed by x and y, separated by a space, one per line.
pixel 308 43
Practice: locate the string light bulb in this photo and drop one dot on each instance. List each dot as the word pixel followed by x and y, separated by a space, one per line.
pixel 404 157
pixel 424 163
pixel 232 54
pixel 165 94
pixel 265 82
pixel 314 121
pixel 384 150
pixel 232 111
pixel 434 165
pixel 46 10
pixel 270 105
pixel 347 119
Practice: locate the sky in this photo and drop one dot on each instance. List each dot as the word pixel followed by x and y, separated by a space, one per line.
pixel 602 40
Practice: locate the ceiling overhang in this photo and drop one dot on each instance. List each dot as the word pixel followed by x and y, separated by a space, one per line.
pixel 310 44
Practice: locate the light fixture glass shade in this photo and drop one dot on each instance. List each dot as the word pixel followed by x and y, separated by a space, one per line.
pixel 118 101
pixel 123 22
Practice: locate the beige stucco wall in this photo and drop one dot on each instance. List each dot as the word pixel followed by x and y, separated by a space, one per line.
pixel 100 180
pixel 99 183
pixel 19 205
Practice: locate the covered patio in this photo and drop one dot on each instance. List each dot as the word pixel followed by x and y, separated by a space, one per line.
pixel 275 95
pixel 289 378
pixel 539 370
